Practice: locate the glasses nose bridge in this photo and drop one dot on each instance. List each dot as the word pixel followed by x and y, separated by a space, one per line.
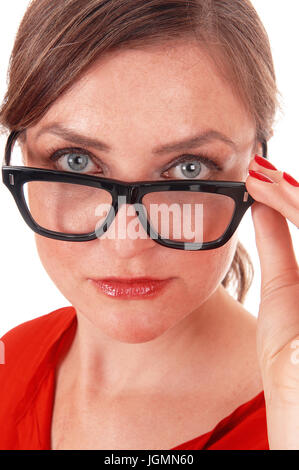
pixel 127 194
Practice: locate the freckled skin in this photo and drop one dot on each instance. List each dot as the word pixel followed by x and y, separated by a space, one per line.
pixel 135 100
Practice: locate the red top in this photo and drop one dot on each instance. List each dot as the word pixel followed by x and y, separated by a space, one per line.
pixel 32 352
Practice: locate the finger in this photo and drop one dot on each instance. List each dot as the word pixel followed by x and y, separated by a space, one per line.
pixel 275 248
pixel 280 194
pixel 278 314
pixel 263 165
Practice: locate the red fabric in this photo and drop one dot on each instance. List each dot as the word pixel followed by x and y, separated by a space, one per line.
pixel 27 385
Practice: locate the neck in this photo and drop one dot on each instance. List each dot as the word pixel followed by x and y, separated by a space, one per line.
pixel 96 362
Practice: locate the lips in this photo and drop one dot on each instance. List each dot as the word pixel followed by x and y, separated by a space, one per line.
pixel 131 279
pixel 132 287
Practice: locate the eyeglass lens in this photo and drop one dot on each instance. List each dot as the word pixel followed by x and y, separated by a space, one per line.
pixel 181 216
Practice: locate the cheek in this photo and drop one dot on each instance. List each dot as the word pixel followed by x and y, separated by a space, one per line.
pixel 202 272
pixel 61 261
pixel 67 262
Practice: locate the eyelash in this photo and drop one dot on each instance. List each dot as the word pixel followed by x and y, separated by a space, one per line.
pixel 54 154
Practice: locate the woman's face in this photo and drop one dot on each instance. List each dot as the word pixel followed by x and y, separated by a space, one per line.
pixel 135 101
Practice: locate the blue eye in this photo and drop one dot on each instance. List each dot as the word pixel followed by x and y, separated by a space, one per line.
pixel 73 160
pixel 191 169
pixel 77 162
pixel 192 166
pixel 183 167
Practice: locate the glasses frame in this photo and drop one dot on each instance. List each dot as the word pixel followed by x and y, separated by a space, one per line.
pixel 14 177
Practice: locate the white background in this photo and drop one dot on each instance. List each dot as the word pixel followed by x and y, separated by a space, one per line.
pixel 26 290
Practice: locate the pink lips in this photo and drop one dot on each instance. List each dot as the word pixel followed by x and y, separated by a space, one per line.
pixel 131 288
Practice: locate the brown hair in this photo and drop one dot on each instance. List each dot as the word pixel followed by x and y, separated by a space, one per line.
pixel 57 41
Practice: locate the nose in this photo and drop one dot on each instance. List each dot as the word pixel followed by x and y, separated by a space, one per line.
pixel 126 236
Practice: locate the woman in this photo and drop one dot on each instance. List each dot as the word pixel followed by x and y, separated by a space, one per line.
pixel 154 352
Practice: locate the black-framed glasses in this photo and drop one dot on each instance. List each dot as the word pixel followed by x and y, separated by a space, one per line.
pixel 182 214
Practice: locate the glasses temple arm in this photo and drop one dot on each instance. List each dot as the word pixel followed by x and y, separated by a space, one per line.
pixel 265 149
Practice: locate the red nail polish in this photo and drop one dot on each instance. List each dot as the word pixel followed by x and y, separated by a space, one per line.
pixel 290 179
pixel 264 162
pixel 259 176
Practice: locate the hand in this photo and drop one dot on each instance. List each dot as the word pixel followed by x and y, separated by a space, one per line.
pixel 278 319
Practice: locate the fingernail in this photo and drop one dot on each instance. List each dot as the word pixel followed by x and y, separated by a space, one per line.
pixel 290 179
pixel 264 162
pixel 259 176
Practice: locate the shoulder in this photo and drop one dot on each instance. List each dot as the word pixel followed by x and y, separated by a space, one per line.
pixel 244 429
pixel 25 345
pixel 37 332
pixel 28 348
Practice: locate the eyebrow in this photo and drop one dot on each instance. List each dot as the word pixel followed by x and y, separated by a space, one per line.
pixel 205 137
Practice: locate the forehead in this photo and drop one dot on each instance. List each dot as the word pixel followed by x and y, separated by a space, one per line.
pixel 172 87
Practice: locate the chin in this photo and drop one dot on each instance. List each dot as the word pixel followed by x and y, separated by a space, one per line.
pixel 128 323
